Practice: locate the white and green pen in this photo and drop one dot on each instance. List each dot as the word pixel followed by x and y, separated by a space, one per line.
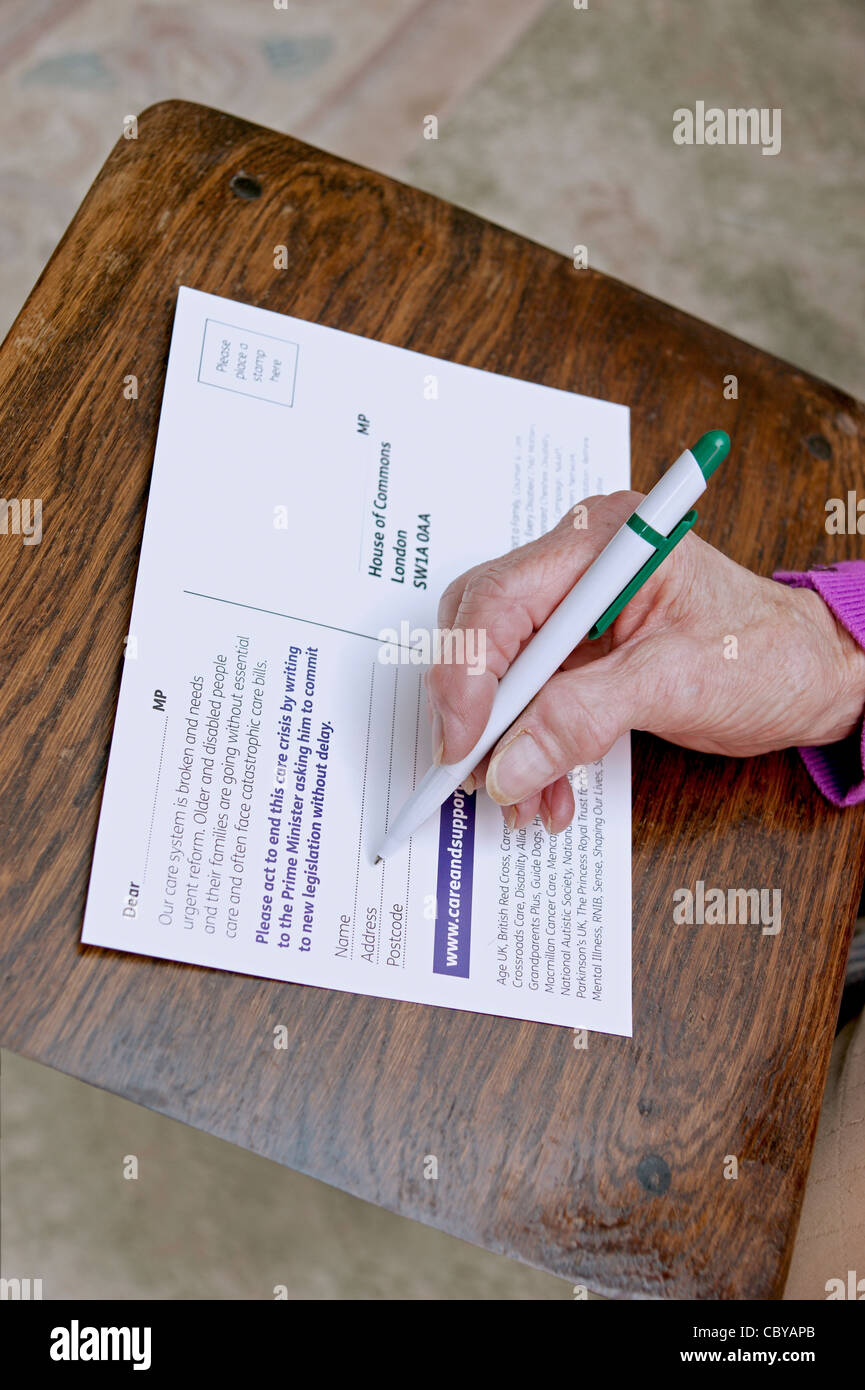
pixel 588 609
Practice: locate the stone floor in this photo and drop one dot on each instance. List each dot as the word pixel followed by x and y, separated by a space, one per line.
pixel 556 122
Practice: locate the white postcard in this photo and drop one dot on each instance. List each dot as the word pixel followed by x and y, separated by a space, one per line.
pixel 311 491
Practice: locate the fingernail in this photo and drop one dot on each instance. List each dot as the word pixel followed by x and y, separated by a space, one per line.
pixel 438 738
pixel 520 769
pixel 547 820
pixel 510 815
pixel 468 785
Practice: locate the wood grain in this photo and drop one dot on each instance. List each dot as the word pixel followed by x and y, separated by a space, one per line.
pixel 605 1165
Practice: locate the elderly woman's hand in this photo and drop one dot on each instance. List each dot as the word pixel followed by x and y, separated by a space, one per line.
pixel 706 654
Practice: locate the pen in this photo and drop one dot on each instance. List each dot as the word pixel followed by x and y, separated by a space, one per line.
pixel 595 601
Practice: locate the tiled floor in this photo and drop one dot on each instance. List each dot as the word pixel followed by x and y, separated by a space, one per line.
pixel 556 122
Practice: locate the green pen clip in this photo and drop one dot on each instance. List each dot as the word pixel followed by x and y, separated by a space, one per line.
pixel 663 545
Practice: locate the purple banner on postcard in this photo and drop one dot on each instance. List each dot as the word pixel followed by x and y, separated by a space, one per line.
pixel 453 928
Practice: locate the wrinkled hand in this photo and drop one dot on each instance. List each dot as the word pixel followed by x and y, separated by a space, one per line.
pixel 797 676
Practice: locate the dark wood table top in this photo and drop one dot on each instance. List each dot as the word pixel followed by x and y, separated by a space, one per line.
pixel 604 1165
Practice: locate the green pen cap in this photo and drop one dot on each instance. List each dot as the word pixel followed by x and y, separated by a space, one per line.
pixel 710 450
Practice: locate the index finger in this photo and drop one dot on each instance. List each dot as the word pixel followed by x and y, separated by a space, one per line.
pixel 487 615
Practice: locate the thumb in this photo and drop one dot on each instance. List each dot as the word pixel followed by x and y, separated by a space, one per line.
pixel 577 718
pixel 500 605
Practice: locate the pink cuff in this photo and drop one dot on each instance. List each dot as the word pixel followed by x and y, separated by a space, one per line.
pixel 837 768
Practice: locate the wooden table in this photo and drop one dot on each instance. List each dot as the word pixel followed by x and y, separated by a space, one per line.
pixel 606 1166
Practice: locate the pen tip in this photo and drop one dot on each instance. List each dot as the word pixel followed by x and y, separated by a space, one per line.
pixel 377 860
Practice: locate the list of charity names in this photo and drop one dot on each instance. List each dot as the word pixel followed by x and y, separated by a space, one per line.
pixel 550 906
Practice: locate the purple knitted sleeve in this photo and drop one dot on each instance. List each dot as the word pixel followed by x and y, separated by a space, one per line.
pixel 838 768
